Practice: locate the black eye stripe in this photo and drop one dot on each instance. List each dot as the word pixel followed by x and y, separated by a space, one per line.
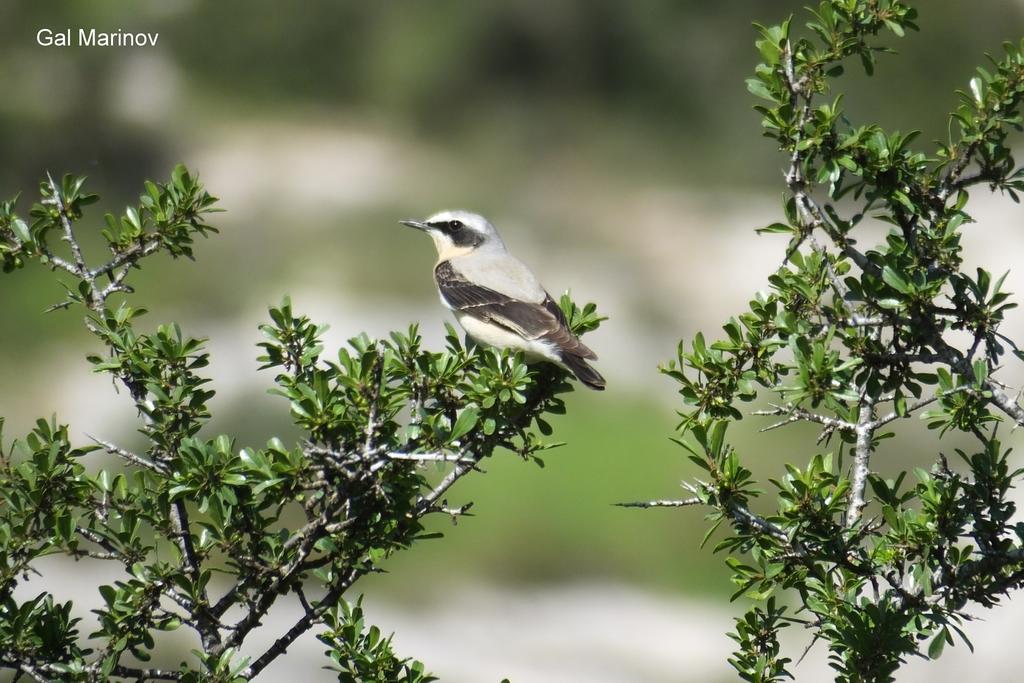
pixel 450 227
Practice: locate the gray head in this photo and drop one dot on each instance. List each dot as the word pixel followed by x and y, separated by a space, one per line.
pixel 459 232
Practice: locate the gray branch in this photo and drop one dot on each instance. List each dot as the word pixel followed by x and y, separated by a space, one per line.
pixel 130 457
pixel 797 414
pixel 661 503
pixel 865 431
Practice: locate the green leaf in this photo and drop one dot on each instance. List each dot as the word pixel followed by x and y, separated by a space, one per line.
pixel 757 87
pixel 776 228
pixel 896 281
pixel 467 420
pixel 938 643
pixel 21 231
pixel 976 90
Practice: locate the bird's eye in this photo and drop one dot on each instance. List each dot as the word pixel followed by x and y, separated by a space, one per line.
pixel 455 225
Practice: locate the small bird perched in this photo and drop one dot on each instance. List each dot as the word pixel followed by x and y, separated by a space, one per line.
pixel 496 298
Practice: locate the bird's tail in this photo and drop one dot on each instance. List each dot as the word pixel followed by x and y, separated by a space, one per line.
pixel 584 373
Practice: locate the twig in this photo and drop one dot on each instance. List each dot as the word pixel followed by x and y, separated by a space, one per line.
pixel 461 511
pixel 373 399
pixel 1005 403
pixel 206 622
pixel 427 501
pixel 862 456
pixel 857 320
pixel 430 457
pixel 38 672
pixel 998 396
pixel 810 213
pixel 737 512
pixel 69 234
pixel 661 503
pixel 133 458
pixel 838 285
pixel 797 414
pixel 127 257
pixel 893 416
pixel 304 623
pixel 32 672
pixel 742 513
pixel 956 170
pixel 304 541
pixel 147 674
pixel 921 357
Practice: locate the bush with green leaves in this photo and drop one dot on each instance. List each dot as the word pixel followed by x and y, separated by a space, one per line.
pixel 208 535
pixel 853 340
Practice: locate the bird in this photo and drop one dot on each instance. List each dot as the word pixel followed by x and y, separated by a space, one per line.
pixel 496 299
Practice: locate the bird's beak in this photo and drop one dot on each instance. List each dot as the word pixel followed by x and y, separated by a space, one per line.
pixel 419 225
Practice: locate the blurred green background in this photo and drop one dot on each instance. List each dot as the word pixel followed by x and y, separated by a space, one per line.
pixel 613 143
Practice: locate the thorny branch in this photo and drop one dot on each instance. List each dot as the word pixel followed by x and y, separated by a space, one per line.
pixel 800 93
pixel 853 340
pixel 342 483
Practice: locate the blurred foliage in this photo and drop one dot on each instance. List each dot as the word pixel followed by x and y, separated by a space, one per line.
pixel 852 340
pixel 575 74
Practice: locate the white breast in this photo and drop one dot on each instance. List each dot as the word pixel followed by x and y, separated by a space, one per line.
pixel 501 338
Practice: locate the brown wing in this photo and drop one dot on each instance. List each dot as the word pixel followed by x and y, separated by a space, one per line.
pixel 543 321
